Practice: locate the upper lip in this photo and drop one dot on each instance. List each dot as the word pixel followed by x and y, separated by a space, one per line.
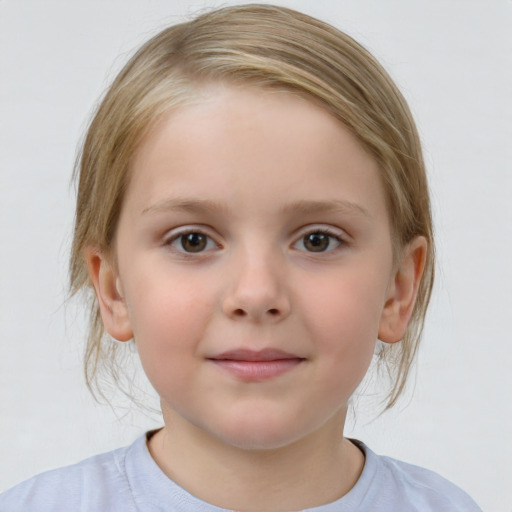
pixel 267 354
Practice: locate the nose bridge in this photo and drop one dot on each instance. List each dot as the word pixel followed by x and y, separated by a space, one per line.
pixel 257 284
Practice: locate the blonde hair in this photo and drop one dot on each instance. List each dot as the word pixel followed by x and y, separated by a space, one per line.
pixel 266 46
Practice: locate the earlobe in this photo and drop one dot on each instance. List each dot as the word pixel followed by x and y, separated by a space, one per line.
pixel 402 292
pixel 109 294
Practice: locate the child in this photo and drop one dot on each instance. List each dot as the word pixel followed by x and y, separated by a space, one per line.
pixel 253 212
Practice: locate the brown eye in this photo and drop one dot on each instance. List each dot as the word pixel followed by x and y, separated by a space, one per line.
pixel 193 242
pixel 316 242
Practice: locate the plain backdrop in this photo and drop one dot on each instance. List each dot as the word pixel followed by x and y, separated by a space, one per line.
pixel 453 61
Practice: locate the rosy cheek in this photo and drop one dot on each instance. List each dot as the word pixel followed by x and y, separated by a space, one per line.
pixel 346 313
pixel 165 317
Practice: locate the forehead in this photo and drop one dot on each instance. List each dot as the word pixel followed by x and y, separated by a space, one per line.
pixel 241 144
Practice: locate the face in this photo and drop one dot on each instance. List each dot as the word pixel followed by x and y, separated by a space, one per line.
pixel 254 266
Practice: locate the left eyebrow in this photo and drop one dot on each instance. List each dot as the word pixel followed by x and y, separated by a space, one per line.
pixel 329 206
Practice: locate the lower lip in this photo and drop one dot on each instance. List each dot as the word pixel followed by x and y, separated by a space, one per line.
pixel 255 371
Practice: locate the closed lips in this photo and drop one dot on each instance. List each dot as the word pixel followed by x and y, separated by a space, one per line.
pixel 255 355
pixel 256 366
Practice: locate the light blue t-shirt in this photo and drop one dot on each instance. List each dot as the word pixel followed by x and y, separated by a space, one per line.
pixel 129 480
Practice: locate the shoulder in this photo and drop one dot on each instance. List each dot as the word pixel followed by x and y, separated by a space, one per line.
pixel 415 488
pixel 97 483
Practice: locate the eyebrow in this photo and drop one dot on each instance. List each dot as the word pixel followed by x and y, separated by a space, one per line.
pixel 304 207
pixel 184 204
pixel 327 206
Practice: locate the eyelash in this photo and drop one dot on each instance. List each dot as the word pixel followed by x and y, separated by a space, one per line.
pixel 330 234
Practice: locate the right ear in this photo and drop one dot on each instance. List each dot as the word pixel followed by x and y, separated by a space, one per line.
pixel 114 312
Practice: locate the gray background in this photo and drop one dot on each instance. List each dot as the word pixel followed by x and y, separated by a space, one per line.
pixel 452 59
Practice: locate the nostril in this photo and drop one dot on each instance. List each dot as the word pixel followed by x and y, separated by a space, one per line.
pixel 273 311
pixel 239 312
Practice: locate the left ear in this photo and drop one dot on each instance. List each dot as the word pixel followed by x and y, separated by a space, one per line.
pixel 402 291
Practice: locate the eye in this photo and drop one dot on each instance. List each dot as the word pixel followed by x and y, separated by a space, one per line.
pixel 192 242
pixel 318 241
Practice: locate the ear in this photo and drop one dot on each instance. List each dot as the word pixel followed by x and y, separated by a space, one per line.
pixel 114 312
pixel 402 291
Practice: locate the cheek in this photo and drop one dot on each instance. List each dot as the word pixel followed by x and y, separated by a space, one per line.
pixel 167 303
pixel 169 316
pixel 343 319
pixel 346 306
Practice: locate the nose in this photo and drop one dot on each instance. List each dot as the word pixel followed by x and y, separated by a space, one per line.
pixel 257 290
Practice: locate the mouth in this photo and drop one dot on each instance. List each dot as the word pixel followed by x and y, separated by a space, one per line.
pixel 256 365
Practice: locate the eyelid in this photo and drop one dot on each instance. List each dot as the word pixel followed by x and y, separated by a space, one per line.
pixel 328 229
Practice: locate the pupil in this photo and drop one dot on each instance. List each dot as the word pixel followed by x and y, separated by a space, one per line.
pixel 193 242
pixel 316 242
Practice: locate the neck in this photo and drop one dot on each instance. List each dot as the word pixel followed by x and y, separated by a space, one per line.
pixel 310 472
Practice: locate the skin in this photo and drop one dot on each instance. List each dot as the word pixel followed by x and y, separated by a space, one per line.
pixel 255 173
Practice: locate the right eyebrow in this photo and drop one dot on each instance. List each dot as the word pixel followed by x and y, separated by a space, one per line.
pixel 184 204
